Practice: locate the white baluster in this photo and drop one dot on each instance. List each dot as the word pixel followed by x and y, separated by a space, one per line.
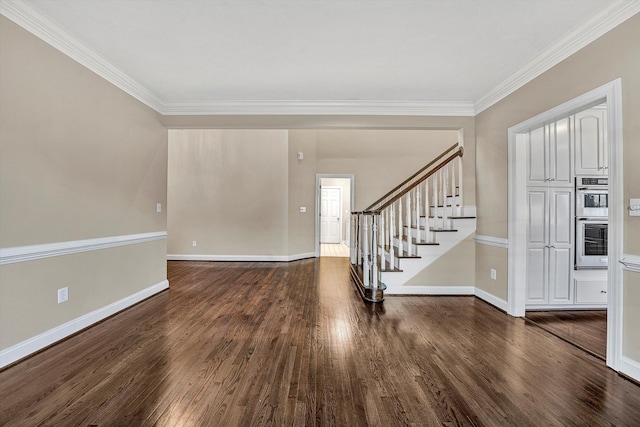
pixel 381 240
pixel 418 203
pixel 445 196
pixel 352 243
pixel 408 204
pixel 460 199
pixel 374 258
pixel 360 231
pixel 400 230
pixel 392 224
pixel 454 203
pixel 426 210
pixel 435 199
pixel 365 243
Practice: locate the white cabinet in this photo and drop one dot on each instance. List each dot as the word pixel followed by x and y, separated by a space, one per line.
pixel 591 287
pixel 591 142
pixel 550 153
pixel 549 246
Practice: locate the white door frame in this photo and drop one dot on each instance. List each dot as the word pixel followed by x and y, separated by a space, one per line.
pixel 517 144
pixel 319 177
pixel 340 214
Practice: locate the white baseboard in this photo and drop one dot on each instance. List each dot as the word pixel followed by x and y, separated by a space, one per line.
pixel 247 258
pixel 491 299
pixel 629 367
pixel 430 290
pixel 58 333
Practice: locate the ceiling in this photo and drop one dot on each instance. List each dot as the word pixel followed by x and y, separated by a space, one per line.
pixel 453 57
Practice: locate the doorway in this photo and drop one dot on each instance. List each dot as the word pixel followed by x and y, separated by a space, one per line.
pixel 334 202
pixel 518 146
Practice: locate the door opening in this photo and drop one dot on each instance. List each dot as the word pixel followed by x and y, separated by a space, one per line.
pixel 334 201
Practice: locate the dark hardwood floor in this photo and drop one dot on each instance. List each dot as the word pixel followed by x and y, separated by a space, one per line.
pixel 239 344
pixel 585 329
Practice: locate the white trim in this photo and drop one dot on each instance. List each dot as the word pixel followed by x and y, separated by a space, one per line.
pixel 352 194
pixel 430 290
pixel 629 367
pixel 587 32
pixel 491 299
pixel 46 250
pixel 517 144
pixel 60 332
pixel 322 107
pixel 630 262
pixel 566 307
pixel 33 21
pixel 241 258
pixel 499 242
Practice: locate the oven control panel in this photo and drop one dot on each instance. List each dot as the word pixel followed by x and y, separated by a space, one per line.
pixel 594 181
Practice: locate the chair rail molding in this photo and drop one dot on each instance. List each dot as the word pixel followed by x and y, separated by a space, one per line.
pixel 630 262
pixel 46 250
pixel 499 242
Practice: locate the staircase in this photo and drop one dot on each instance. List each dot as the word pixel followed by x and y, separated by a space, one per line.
pixel 410 227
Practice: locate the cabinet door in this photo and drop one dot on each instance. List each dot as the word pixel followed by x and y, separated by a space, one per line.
pixel 561 236
pixel 590 145
pixel 537 242
pixel 559 155
pixel 537 157
pixel 560 289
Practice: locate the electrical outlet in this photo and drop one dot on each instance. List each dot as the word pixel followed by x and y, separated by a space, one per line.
pixel 63 294
pixel 493 273
pixel 195 243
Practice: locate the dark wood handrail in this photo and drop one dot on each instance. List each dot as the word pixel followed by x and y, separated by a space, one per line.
pixel 458 153
pixel 444 153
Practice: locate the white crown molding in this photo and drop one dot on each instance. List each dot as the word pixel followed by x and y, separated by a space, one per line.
pixel 47 250
pixel 257 107
pixel 40 26
pixel 498 242
pixel 34 22
pixel 590 30
pixel 631 262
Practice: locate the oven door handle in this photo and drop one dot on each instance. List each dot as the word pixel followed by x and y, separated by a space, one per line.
pixel 594 189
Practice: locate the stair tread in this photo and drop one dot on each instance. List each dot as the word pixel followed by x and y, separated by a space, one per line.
pixel 387 270
pixel 449 217
pixel 414 242
pixel 404 253
pixel 437 230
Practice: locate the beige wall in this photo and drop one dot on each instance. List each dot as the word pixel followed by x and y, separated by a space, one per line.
pixel 454 268
pixel 614 55
pixel 302 192
pixel 345 122
pixel 379 159
pixel 228 190
pixel 238 192
pixel 79 159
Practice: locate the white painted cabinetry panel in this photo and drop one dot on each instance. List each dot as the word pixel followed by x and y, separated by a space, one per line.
pixel 591 142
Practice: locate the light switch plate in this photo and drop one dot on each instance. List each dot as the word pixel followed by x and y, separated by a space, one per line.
pixel 158 207
pixel 634 207
pixel 303 209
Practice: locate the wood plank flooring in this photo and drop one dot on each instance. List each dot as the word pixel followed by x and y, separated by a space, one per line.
pixel 244 344
pixel 585 329
pixel 334 250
